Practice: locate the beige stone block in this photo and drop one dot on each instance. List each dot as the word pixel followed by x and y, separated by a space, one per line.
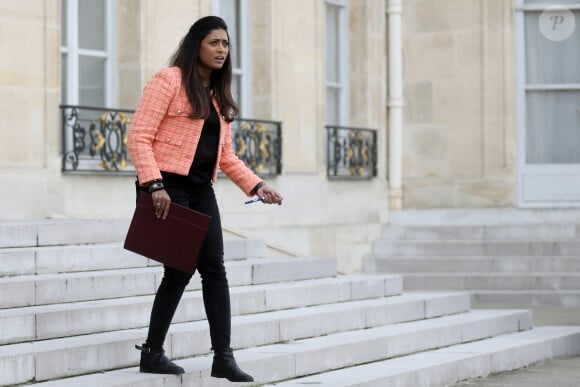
pixel 428 193
pixel 367 65
pixel 422 16
pixel 498 91
pixel 445 97
pixel 23 127
pixel 129 89
pixel 460 109
pixel 23 9
pixel 84 196
pixel 426 151
pixel 456 103
pixel 262 54
pixel 161 39
pixel 128 31
pixel 430 56
pixel 418 102
pixel 301 148
pixel 376 116
pixel 19 70
pixel 469 56
pixel 291 30
pixel 485 193
pixel 262 77
pixel 458 15
pixel 53 140
pixel 52 12
pixel 23 200
pixel 52 58
pixel 466 154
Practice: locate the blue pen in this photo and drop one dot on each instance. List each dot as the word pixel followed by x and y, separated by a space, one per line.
pixel 258 199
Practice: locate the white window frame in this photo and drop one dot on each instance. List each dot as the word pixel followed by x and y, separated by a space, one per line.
pixel 534 170
pixel 244 69
pixel 74 52
pixel 342 86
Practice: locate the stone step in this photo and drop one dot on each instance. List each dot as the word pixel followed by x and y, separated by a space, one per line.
pixel 446 366
pixel 79 318
pixel 278 362
pixel 478 217
pixel 473 264
pixel 557 298
pixel 492 281
pixel 101 256
pixel 59 358
pixel 383 248
pixel 496 232
pixel 45 289
pixel 51 232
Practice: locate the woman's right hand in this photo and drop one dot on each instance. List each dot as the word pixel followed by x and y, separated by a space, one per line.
pixel 269 195
pixel 161 202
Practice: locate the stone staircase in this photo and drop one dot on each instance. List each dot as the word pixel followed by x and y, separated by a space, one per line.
pixel 501 257
pixel 73 303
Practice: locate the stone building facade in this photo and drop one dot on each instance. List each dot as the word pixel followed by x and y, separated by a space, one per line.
pixel 311 65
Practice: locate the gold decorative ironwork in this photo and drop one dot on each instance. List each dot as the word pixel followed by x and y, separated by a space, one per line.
pixel 257 143
pixel 95 140
pixel 109 140
pixel 351 153
pixel 107 135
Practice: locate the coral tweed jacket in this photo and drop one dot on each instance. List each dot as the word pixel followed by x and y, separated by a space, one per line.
pixel 163 137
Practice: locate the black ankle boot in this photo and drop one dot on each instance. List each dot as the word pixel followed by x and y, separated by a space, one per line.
pixel 225 366
pixel 156 362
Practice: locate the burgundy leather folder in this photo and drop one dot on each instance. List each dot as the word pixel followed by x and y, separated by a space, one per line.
pixel 175 241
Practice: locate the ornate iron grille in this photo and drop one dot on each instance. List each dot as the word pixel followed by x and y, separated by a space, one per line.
pixel 258 143
pixel 95 140
pixel 351 153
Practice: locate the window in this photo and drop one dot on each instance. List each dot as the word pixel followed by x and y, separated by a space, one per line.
pixel 551 85
pixel 234 12
pixel 87 53
pixel 337 110
pixel 548 91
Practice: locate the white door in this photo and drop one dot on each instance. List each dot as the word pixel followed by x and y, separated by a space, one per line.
pixel 548 42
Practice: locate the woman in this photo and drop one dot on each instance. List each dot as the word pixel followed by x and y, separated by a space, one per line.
pixel 179 136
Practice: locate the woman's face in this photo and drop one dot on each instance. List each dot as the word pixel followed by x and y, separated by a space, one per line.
pixel 213 51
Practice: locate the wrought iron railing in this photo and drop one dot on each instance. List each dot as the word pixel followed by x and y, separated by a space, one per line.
pixel 259 144
pixel 351 153
pixel 94 140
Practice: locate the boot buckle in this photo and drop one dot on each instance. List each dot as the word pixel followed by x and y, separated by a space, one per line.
pixel 144 348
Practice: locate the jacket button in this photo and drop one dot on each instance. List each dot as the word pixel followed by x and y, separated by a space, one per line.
pixel 179 112
pixel 167 140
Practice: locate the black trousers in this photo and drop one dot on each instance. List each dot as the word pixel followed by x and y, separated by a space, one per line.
pixel 216 295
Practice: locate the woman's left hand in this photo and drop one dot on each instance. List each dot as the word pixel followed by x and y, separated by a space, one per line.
pixel 270 195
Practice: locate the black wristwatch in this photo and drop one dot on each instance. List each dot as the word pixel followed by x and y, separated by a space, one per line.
pixel 257 187
pixel 155 185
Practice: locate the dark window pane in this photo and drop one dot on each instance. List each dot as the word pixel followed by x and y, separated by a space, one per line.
pixel 230 12
pixel 92 24
pixel 553 127
pixel 91 81
pixel 551 62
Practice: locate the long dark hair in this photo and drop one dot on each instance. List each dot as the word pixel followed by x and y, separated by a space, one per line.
pixel 187 58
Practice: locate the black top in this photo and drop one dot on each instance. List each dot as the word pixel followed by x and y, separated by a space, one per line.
pixel 201 170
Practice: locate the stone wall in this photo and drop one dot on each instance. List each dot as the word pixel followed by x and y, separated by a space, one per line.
pixel 459 132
